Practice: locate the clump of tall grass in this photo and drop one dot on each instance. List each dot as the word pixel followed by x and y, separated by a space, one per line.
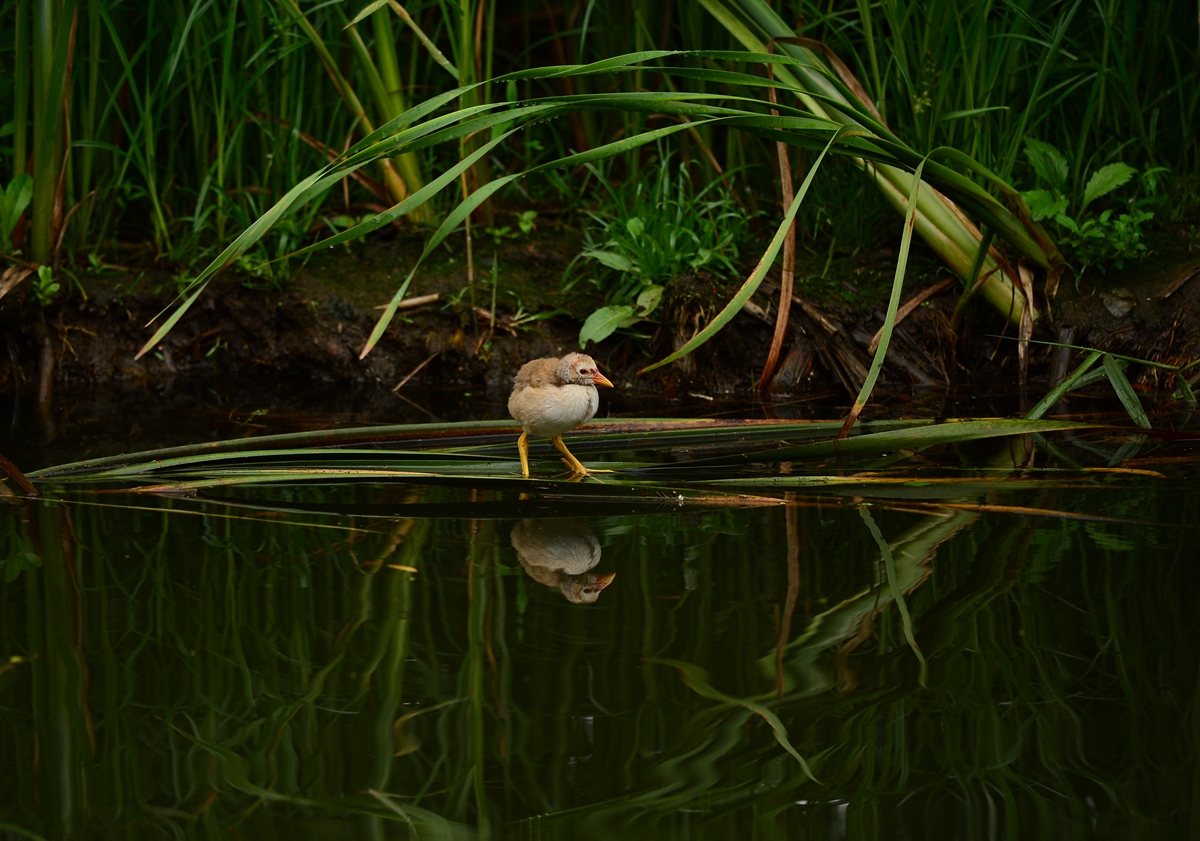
pixel 979 77
pixel 652 230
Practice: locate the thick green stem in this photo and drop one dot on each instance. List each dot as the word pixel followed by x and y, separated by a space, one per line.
pixel 21 90
pixel 47 128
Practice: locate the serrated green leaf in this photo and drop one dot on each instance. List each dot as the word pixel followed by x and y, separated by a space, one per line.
pixel 1105 180
pixel 1043 204
pixel 603 322
pixel 1048 163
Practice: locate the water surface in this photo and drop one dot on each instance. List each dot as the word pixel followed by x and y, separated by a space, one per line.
pixel 393 660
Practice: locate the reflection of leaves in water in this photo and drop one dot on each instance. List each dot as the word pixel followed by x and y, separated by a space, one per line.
pixel 1046 549
pixel 697 679
pixel 889 565
pixel 1106 539
pixel 19 562
pixel 295 654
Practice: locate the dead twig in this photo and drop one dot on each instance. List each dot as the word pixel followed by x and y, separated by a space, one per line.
pixel 787 194
pixel 911 304
pixel 413 303
pixel 414 372
pixel 1026 330
pixel 17 476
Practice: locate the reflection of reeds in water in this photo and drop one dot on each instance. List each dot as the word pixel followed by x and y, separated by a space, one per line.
pixel 237 675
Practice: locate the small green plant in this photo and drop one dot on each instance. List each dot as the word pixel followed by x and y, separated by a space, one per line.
pixel 498 235
pixel 267 272
pixel 652 232
pixel 45 287
pixel 524 223
pixel 1193 238
pixel 523 319
pixel 1109 238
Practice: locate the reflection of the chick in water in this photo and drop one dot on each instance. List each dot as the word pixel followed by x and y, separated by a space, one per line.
pixel 561 553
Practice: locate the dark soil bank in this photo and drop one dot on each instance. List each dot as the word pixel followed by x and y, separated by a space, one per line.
pixel 307 338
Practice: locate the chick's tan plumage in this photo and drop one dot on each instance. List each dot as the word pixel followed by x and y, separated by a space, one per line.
pixel 551 396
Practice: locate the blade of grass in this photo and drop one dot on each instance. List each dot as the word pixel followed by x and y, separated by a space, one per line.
pixel 889 320
pixel 1063 387
pixel 1125 392
pixel 1185 390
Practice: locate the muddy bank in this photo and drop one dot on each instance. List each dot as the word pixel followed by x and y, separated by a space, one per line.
pixel 238 339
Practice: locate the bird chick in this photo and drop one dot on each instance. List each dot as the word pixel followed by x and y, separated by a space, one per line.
pixel 551 396
pixel 561 553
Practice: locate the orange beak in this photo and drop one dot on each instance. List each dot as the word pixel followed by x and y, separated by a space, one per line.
pixel 603 581
pixel 600 379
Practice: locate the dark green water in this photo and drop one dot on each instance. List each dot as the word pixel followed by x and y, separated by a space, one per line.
pixel 375 661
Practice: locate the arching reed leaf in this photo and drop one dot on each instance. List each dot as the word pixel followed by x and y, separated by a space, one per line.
pixel 889 319
pixel 916 438
pixel 863 137
pixel 464 209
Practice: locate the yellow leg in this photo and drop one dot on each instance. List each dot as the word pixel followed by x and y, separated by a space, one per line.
pixel 523 449
pixel 570 461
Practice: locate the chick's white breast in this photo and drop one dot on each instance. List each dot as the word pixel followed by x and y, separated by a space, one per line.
pixel 552 410
pixel 547 546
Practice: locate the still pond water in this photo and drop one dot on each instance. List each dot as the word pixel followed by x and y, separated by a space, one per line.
pixel 371 661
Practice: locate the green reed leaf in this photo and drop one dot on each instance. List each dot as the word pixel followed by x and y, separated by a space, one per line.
pixel 1125 392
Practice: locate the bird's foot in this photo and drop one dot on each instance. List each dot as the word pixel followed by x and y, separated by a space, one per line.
pixel 580 471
